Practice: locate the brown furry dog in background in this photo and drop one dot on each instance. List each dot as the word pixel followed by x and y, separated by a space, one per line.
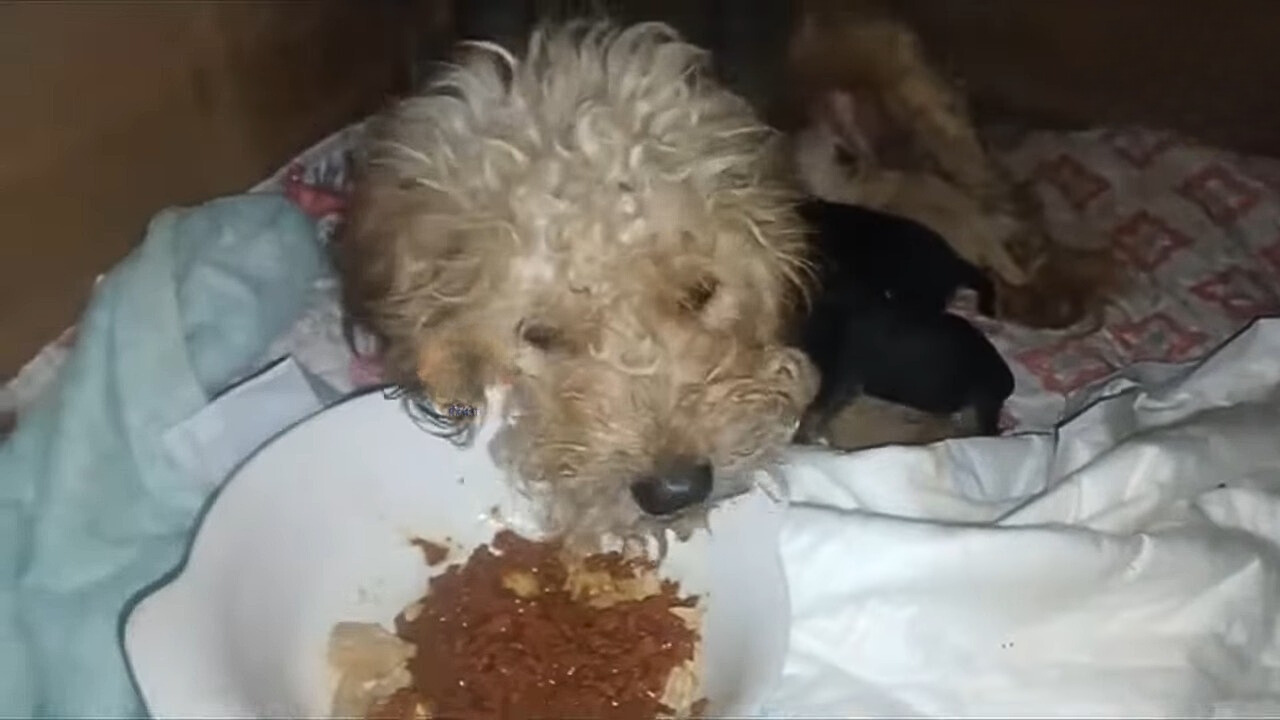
pixel 606 234
pixel 882 128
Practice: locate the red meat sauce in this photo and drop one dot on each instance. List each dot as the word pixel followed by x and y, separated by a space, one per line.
pixel 484 652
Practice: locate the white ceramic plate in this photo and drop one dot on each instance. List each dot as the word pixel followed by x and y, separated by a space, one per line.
pixel 315 529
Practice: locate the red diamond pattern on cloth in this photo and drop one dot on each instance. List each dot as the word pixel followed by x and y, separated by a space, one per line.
pixel 1241 294
pixel 1078 184
pixel 1066 365
pixel 1139 147
pixel 1223 195
pixel 1157 337
pixel 1147 241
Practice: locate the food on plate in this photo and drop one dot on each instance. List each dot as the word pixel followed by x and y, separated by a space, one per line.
pixel 526 629
pixel 371 666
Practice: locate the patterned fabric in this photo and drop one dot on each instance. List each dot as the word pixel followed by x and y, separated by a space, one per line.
pixel 1197 228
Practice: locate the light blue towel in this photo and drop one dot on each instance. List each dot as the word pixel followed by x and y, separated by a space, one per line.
pixel 91 508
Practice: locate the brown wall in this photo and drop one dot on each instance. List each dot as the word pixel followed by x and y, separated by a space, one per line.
pixel 1210 68
pixel 111 110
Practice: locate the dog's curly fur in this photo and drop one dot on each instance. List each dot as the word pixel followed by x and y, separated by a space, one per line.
pixel 903 131
pixel 609 233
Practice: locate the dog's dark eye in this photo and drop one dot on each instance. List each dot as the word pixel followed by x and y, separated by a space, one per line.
pixel 539 335
pixel 697 296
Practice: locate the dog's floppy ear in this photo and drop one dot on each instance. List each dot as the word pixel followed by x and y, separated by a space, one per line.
pixel 363 254
pixel 453 368
pixel 406 279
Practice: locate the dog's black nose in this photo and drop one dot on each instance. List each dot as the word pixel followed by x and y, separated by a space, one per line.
pixel 675 488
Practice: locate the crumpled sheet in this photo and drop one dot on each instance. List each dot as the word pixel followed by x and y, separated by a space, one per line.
pixel 1129 566
pixel 94 506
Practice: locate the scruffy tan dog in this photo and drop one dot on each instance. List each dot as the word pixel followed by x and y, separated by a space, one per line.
pixel 882 128
pixel 609 234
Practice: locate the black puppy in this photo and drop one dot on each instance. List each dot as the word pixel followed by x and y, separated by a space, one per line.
pixel 937 363
pixel 878 325
pixel 896 257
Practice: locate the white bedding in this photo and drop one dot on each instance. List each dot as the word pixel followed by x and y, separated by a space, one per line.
pixel 1129 567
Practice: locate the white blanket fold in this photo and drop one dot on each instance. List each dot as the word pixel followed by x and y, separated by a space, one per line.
pixel 1128 567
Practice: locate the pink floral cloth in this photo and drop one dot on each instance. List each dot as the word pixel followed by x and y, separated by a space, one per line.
pixel 1197 228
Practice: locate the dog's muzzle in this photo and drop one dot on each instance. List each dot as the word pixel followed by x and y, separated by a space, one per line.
pixel 677 486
